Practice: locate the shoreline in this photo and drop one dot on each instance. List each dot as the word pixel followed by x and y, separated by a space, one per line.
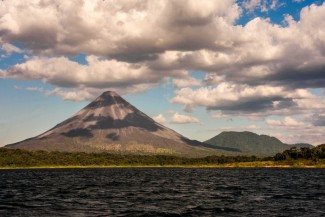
pixel 171 166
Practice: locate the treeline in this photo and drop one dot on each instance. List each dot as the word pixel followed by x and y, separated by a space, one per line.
pixel 314 154
pixel 23 158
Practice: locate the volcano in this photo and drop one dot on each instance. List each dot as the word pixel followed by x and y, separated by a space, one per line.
pixel 111 124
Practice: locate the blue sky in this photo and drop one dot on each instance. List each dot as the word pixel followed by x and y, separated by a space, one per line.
pixel 198 67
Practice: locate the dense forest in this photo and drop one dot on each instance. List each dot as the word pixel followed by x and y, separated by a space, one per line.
pixel 22 158
pixel 294 153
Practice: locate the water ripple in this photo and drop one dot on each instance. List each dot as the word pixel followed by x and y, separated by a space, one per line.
pixel 162 192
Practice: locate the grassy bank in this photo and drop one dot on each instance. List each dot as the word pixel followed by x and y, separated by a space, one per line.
pixel 269 164
pixel 280 164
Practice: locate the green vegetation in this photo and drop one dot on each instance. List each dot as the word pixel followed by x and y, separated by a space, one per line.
pixel 23 158
pixel 314 154
pixel 16 158
pixel 248 143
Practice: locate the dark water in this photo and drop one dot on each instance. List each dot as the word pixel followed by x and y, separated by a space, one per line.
pixel 162 192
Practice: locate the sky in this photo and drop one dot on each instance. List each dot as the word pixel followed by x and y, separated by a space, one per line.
pixel 198 67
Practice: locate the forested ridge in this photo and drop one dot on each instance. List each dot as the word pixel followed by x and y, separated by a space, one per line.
pixel 249 143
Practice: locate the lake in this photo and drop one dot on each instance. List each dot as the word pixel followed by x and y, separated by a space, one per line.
pixel 162 192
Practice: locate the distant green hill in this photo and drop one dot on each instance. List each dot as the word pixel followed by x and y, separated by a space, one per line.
pixel 249 143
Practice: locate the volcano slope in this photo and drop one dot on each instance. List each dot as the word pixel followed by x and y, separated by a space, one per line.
pixel 111 124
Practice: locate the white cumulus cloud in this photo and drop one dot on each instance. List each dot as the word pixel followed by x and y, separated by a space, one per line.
pixel 8 49
pixel 286 122
pixel 183 119
pixel 186 82
pixel 234 97
pixel 176 118
pixel 160 118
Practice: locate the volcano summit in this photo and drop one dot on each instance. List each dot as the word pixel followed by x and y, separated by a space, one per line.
pixel 110 123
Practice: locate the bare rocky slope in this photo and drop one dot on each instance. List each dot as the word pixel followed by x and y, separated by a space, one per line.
pixel 110 123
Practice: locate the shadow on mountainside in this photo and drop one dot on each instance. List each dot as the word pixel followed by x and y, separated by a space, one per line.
pixel 102 123
pixel 113 136
pixel 79 132
pixel 130 120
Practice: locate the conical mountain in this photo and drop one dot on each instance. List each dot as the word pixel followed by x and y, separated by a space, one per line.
pixel 110 123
